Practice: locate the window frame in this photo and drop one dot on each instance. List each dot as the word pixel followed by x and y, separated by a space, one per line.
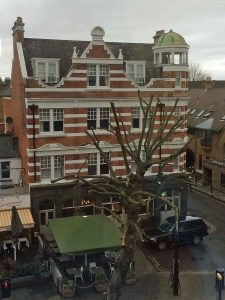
pixel 178 79
pixel 46 62
pixel 177 113
pixel 5 171
pixel 51 119
pixel 134 74
pixel 50 166
pixel 99 73
pixel 96 160
pixel 138 116
pixel 96 116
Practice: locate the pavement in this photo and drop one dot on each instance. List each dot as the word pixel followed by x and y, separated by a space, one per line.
pixel 150 284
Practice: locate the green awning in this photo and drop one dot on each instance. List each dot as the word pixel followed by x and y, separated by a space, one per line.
pixel 85 234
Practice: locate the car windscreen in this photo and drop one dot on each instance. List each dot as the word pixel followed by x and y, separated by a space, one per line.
pixel 166 225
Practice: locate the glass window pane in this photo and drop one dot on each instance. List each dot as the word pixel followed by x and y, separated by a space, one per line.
pixel 91 81
pixel 58 114
pixel 44 126
pixel 135 123
pixel 91 74
pixel 51 72
pixel 92 159
pixel 104 124
pixel 58 125
pixel 92 114
pixel 104 169
pixel 45 173
pixel 92 170
pixel 92 118
pixel 104 113
pixel 45 167
pixel 130 71
pixel 135 112
pixel 44 114
pixel 5 169
pixel 91 124
pixel 103 81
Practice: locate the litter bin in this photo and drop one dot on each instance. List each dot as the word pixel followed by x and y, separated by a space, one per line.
pixel 221 272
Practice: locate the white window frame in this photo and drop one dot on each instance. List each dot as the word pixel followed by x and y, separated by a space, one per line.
pixel 178 79
pixel 51 162
pixel 134 75
pixel 176 162
pixel 98 71
pixel 51 115
pixel 95 159
pixel 137 113
pixel 97 114
pixel 177 113
pixel 46 62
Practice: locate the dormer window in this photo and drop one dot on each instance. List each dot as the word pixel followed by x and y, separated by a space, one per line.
pixel 97 75
pixel 136 71
pixel 47 70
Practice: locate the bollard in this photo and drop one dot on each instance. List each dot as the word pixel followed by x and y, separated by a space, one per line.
pixel 220 278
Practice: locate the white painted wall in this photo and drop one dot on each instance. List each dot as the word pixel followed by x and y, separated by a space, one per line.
pixel 15 168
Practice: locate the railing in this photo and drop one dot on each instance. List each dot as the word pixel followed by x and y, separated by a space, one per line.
pixel 51 80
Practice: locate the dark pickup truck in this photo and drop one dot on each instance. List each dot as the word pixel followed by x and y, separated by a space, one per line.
pixel 192 229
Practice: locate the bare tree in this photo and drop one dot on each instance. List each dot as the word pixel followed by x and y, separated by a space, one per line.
pixel 196 73
pixel 131 190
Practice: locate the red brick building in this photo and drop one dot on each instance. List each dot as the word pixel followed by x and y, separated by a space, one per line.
pixel 62 88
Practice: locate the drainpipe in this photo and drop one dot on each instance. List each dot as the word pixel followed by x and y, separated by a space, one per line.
pixel 34 140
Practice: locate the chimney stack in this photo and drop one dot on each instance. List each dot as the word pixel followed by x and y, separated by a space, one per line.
pixel 158 34
pixel 18 30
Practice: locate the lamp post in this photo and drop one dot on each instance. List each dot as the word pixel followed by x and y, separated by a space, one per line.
pixel 176 256
pixel 161 105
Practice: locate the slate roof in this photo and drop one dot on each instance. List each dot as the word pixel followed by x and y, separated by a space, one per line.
pixel 63 49
pixel 208 102
pixel 8 146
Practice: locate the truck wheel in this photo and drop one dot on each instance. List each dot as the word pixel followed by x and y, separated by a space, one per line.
pixel 196 240
pixel 162 246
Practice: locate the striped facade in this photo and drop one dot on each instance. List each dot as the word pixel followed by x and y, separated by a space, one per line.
pixel 65 106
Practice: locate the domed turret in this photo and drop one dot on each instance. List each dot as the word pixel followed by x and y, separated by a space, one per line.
pixel 170 48
pixel 170 38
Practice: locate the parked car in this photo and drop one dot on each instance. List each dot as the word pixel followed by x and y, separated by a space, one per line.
pixel 192 229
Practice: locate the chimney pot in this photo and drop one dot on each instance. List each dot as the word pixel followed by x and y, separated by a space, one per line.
pixel 18 30
pixel 158 34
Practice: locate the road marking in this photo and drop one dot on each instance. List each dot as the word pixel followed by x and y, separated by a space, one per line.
pixel 212 227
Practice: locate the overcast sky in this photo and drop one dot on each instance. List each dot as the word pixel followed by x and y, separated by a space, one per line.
pixel 200 22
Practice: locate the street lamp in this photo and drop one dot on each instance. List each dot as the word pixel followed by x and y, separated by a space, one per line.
pixel 161 105
pixel 176 256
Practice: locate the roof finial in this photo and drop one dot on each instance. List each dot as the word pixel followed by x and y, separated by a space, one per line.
pixel 120 56
pixel 74 52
